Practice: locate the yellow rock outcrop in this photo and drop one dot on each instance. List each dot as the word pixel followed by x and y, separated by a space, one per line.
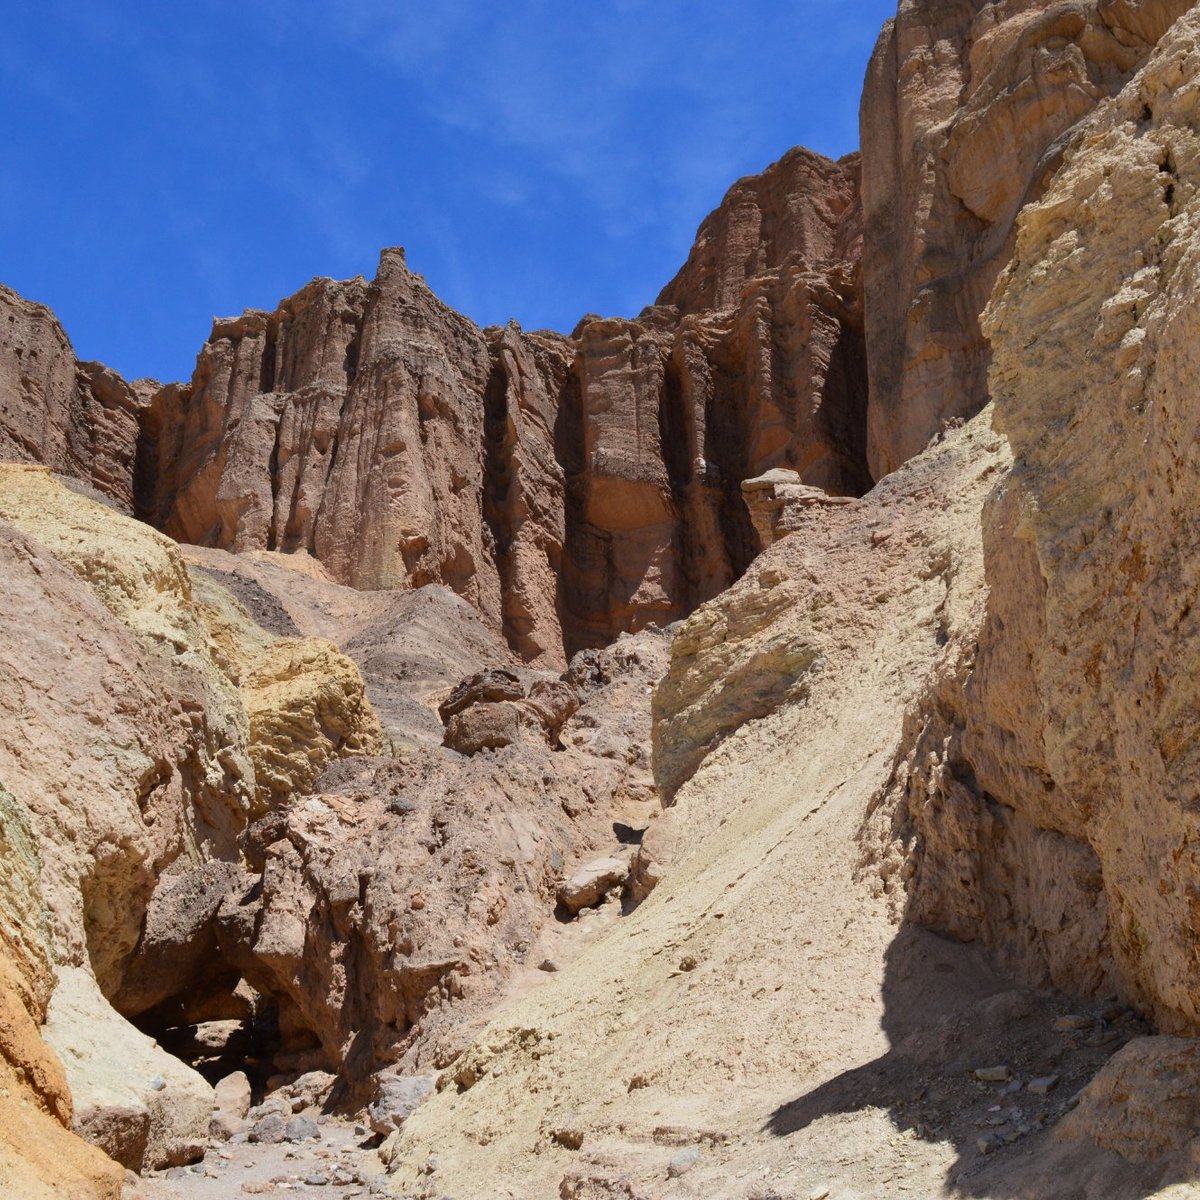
pixel 133 714
pixel 305 700
pixel 307 707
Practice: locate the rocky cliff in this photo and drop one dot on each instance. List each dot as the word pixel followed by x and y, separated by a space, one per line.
pixel 569 488
pixel 373 779
pixel 966 110
pixel 1069 751
pixel 80 419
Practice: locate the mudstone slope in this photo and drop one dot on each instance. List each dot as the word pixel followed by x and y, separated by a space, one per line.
pixel 561 751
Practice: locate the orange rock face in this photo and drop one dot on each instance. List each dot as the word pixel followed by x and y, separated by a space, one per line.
pixel 964 116
pixel 569 488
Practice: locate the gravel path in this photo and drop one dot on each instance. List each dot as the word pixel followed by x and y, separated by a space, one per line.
pixel 335 1166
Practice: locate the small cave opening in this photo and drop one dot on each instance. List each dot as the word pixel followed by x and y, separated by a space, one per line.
pixel 218 1032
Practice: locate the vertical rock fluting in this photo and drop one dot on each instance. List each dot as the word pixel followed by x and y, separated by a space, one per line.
pixel 569 488
pixel 965 112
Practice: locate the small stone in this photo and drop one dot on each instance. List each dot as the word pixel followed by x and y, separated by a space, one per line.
pixel 177 1173
pixel 1044 1084
pixel 158 1083
pixel 397 1098
pixel 988 1143
pixel 569 1136
pixel 300 1129
pixel 316 1179
pixel 688 963
pixel 999 1074
pixel 821 1193
pixel 589 885
pixel 683 1162
pixel 268 1129
pixel 1072 1021
pixel 548 964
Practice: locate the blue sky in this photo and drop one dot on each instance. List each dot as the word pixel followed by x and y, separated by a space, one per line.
pixel 167 162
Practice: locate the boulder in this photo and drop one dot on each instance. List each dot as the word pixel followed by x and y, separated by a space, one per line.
pixel 397 1098
pixel 141 1106
pixel 483 727
pixel 485 687
pixel 231 1103
pixel 553 702
pixel 592 882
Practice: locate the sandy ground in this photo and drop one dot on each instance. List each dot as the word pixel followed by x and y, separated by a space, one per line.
pixel 245 1169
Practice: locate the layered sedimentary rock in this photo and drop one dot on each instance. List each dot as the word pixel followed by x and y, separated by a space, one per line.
pixel 964 116
pixel 144 724
pixel 133 773
pixel 569 488
pixel 318 783
pixel 1049 787
pixel 804 210
pixel 80 419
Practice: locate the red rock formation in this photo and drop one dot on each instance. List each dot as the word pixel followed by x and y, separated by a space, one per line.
pixel 568 488
pixel 964 115
pixel 803 209
pixel 80 419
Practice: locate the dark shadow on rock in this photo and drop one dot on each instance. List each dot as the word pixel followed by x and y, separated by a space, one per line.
pixel 949 1015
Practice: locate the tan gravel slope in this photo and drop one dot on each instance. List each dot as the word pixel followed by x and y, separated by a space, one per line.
pixel 759 968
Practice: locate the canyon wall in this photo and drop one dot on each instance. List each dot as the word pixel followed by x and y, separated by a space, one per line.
pixel 1056 821
pixel 323 768
pixel 568 487
pixel 965 112
pixel 80 419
